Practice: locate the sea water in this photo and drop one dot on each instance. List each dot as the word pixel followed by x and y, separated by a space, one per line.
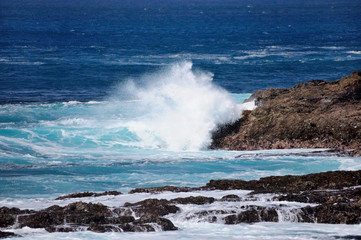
pixel 116 95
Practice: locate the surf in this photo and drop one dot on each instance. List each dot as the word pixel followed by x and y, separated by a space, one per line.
pixel 176 108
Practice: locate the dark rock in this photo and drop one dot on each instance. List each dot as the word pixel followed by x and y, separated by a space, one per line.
pixel 122 219
pixel 253 214
pixel 132 227
pixel 85 213
pixel 152 206
pixel 165 224
pixel 42 219
pixel 210 216
pixel 199 200
pixel 315 114
pixel 352 196
pixel 94 227
pixel 7 215
pixel 8 234
pixel 286 184
pixel 60 229
pixel 335 213
pixel 161 189
pixel 6 220
pixel 99 218
pixel 88 194
pixel 231 198
pixel 78 213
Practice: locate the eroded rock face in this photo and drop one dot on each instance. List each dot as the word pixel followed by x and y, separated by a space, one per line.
pixel 315 114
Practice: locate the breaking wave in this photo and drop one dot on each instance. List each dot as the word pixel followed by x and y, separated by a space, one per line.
pixel 176 108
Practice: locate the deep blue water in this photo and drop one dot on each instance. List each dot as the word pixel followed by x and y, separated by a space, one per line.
pixel 53 51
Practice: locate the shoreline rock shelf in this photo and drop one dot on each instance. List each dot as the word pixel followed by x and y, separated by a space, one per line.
pixel 328 197
pixel 315 114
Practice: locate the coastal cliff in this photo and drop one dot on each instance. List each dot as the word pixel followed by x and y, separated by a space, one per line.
pixel 314 114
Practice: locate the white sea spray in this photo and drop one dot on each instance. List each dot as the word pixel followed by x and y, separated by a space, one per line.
pixel 177 108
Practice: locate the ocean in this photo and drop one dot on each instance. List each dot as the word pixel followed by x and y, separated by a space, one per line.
pixel 117 94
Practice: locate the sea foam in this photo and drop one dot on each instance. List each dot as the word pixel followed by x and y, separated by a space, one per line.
pixel 177 108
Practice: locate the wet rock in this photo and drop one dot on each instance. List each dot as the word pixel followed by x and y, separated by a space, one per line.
pixel 199 200
pixel 352 196
pixel 94 227
pixel 8 234
pixel 88 194
pixel 253 214
pixel 335 213
pixel 315 114
pixel 287 184
pixel 210 216
pixel 231 198
pixel 165 224
pixel 134 227
pixel 162 189
pixel 80 216
pixel 156 207
pixel 78 213
pixel 85 213
pixel 7 215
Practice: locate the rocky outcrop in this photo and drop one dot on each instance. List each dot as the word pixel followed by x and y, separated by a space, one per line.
pixel 329 197
pixel 290 183
pixel 80 216
pixel 315 114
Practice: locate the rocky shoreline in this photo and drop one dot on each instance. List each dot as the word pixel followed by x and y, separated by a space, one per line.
pixel 315 114
pixel 329 197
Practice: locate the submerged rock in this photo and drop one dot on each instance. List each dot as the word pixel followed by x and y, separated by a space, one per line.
pixel 315 114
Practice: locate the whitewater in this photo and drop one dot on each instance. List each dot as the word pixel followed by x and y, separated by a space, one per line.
pixel 150 131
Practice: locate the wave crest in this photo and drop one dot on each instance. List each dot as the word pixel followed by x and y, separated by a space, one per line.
pixel 177 108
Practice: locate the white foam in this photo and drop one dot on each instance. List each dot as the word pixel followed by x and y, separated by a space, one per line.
pixel 354 52
pixel 212 231
pixel 178 108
